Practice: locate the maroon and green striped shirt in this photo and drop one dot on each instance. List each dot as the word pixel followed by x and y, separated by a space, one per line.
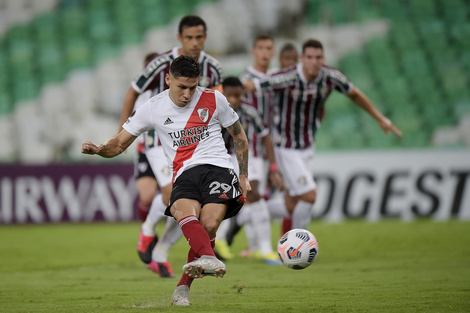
pixel 299 104
pixel 253 127
pixel 260 99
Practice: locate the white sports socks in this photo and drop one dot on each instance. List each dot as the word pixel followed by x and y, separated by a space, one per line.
pixel 302 215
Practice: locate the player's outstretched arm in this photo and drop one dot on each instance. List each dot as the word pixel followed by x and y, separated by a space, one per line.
pixel 240 143
pixel 361 100
pixel 128 106
pixel 110 148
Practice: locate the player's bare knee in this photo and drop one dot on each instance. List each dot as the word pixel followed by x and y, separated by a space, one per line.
pixel 210 226
pixel 146 199
pixel 309 197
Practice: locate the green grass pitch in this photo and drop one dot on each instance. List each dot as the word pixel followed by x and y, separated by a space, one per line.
pixel 389 266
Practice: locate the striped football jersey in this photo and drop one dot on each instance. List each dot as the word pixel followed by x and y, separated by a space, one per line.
pixel 260 99
pixel 300 103
pixel 253 126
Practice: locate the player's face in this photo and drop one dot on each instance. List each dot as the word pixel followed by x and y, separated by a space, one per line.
pixel 312 61
pixel 288 58
pixel 233 95
pixel 263 52
pixel 182 89
pixel 192 40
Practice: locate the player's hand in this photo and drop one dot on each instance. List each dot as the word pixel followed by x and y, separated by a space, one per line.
pixel 276 180
pixel 387 126
pixel 245 185
pixel 89 147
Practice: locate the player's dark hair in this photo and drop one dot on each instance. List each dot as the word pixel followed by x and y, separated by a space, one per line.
pixel 312 43
pixel 149 57
pixel 262 37
pixel 191 21
pixel 232 81
pixel 185 66
pixel 287 47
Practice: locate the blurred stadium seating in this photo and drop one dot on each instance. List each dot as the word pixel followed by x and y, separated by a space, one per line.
pixel 65 65
pixel 417 74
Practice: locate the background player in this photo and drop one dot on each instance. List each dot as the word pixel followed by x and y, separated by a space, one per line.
pixel 262 52
pixel 147 186
pixel 255 214
pixel 205 188
pixel 288 56
pixel 145 178
pixel 307 87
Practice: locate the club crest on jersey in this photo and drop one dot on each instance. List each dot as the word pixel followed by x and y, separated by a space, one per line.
pixel 203 114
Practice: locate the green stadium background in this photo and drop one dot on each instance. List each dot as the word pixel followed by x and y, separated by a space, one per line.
pixel 66 64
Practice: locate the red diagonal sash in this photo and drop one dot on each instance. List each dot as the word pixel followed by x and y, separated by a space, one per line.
pixel 205 105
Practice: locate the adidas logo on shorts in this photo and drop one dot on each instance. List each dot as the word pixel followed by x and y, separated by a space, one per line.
pixel 223 196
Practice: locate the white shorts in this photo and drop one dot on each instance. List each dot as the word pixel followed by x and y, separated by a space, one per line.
pixel 158 163
pixel 256 170
pixel 295 166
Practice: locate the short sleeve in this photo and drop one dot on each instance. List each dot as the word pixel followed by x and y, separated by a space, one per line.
pixel 340 81
pixel 144 79
pixel 140 120
pixel 226 115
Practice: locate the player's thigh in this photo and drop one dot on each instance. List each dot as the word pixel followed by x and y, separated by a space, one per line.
pixel 211 216
pixel 145 179
pixel 183 207
pixel 310 196
pixel 290 202
pixel 147 187
pixel 166 193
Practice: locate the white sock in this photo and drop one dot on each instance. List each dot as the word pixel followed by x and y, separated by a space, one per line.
pixel 244 215
pixel 250 234
pixel 244 219
pixel 262 222
pixel 170 236
pixel 223 229
pixel 302 215
pixel 277 208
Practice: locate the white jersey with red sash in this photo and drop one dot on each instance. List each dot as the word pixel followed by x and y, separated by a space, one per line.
pixel 152 78
pixel 190 135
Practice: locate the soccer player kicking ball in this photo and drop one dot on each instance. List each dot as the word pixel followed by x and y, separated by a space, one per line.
pixel 206 190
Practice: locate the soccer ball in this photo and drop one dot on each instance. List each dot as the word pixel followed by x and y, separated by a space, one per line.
pixel 297 248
